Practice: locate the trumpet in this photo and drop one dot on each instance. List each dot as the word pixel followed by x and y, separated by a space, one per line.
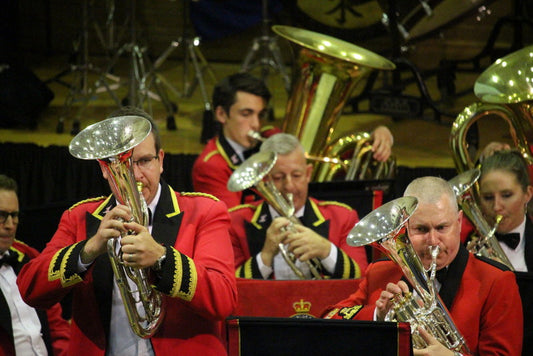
pixel 486 243
pixel 384 227
pixel 254 173
pixel 111 142
pixel 256 136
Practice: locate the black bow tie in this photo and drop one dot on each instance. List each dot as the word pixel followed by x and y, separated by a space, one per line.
pixel 441 275
pixel 246 154
pixel 8 259
pixel 511 239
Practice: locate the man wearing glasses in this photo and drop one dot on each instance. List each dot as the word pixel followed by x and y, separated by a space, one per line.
pixel 186 247
pixel 23 329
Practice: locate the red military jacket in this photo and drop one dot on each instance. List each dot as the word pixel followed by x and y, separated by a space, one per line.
pixel 197 279
pixel 483 300
pixel 214 166
pixel 55 329
pixel 331 220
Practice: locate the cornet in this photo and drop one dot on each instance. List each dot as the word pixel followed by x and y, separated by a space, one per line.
pixel 111 142
pixel 254 173
pixel 384 228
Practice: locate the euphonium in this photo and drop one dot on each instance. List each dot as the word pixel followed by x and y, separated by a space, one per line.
pixel 325 72
pixel 505 91
pixel 384 227
pixel 254 173
pixel 111 142
pixel 486 243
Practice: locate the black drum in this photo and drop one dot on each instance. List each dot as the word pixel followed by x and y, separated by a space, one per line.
pixel 417 18
pixel 347 20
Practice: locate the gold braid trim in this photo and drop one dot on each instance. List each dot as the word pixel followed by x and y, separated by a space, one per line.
pixel 347 266
pixel 209 155
pixel 198 194
pixel 58 267
pixel 86 201
pixel 242 206
pixel 20 254
pixel 185 277
pixel 245 270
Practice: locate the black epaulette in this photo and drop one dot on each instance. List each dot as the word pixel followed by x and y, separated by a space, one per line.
pixel 382 259
pixel 493 263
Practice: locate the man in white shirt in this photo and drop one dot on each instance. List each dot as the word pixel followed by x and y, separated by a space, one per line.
pixel 23 329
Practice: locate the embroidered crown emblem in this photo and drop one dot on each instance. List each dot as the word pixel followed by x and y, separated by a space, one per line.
pixel 301 306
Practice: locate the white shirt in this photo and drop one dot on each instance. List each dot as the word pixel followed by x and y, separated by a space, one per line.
pixel 282 270
pixel 123 341
pixel 24 319
pixel 238 148
pixel 517 256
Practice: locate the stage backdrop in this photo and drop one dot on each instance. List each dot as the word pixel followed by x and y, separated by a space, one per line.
pixel 51 180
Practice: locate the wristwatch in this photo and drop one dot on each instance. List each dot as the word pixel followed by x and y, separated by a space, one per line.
pixel 159 263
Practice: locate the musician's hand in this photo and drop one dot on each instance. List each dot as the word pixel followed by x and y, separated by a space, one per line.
pixel 382 143
pixel 492 147
pixel 306 244
pixel 140 250
pixel 385 301
pixel 434 348
pixel 276 233
pixel 110 227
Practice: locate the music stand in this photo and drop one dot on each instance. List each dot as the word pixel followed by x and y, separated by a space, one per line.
pixel 265 52
pixel 192 56
pixel 141 77
pixel 518 20
pixel 389 100
pixel 79 87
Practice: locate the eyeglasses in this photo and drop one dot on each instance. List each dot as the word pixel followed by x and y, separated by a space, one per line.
pixel 5 214
pixel 145 161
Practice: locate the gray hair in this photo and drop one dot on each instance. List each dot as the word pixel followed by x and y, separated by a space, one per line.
pixel 282 144
pixel 430 190
pixel 8 183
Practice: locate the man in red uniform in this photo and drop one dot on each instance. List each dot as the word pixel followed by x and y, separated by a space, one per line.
pixel 257 229
pixel 483 299
pixel 23 329
pixel 186 246
pixel 240 103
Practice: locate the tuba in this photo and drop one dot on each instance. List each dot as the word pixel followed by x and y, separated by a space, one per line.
pixel 504 89
pixel 486 244
pixel 254 173
pixel 384 227
pixel 111 142
pixel 326 70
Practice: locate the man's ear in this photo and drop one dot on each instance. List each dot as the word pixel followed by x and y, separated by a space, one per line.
pixel 308 172
pixel 104 171
pixel 221 115
pixel 161 156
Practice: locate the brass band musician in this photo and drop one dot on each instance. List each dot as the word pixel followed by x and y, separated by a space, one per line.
pixel 483 300
pixel 185 245
pixel 257 229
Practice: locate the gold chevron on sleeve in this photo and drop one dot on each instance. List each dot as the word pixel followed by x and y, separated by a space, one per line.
pixel 351 268
pixel 245 270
